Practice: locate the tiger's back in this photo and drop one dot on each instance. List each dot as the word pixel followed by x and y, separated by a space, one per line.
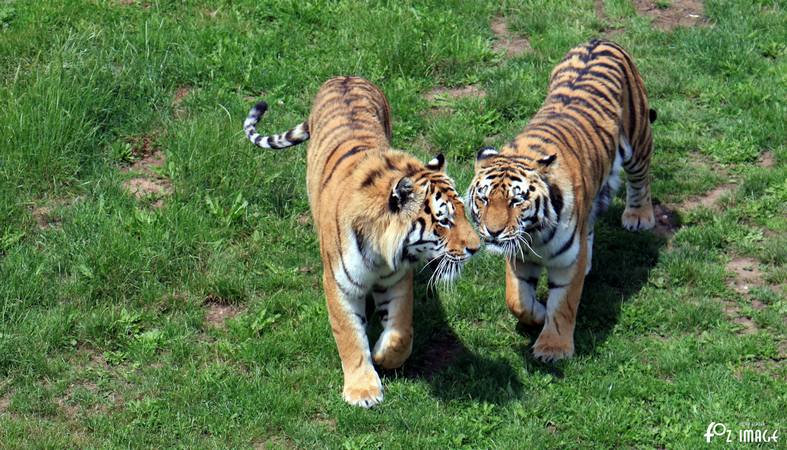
pixel 348 118
pixel 597 116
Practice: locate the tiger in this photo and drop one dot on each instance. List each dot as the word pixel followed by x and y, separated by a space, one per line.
pixel 377 211
pixel 536 200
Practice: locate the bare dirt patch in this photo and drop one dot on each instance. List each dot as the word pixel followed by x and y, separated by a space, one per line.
pixel 602 16
pixel 69 406
pixel 454 93
pixel 177 101
pixel 219 311
pixel 150 182
pixel 708 200
pixel 304 219
pixel 507 42
pixel 767 160
pixel 326 421
pixel 444 349
pixel 747 326
pixel 746 273
pixel 442 98
pixel 679 13
pixel 5 402
pixel 44 218
pixel 274 442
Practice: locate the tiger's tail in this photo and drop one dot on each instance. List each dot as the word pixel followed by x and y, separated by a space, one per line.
pixel 293 136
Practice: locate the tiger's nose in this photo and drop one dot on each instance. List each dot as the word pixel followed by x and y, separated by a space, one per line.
pixel 494 233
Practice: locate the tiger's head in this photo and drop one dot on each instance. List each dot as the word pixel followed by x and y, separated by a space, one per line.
pixel 438 231
pixel 510 199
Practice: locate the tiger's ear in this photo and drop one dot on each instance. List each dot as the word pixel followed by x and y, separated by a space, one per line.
pixel 483 154
pixel 401 193
pixel 437 163
pixel 547 160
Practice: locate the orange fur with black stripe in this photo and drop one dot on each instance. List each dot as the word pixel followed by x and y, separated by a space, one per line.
pixel 537 199
pixel 378 211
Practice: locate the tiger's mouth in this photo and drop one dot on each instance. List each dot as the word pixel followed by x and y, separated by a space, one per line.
pixel 518 245
pixel 447 268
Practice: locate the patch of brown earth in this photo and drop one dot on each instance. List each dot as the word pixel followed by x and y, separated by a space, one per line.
pixel 219 311
pixel 211 13
pixel 746 275
pixel 747 326
pixel 180 94
pixel 421 142
pixel 444 349
pixel 145 5
pixel 440 92
pixel 767 160
pixel 602 16
pixel 44 213
pixel 274 442
pixel 679 13
pixel 5 402
pixel 507 42
pixel 709 199
pixel 442 98
pixel 43 217
pixel 150 182
pixel 325 421
pixel 667 221
pixel 71 408
pixel 304 219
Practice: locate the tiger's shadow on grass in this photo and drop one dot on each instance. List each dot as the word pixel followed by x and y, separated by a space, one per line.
pixel 440 358
pixel 622 261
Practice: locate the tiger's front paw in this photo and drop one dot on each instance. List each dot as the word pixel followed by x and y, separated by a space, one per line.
pixel 638 219
pixel 550 346
pixel 364 391
pixel 392 349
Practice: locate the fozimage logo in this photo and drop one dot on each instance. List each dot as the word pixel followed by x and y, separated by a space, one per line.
pixel 748 433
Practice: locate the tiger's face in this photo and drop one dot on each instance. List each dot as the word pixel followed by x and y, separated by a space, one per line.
pixel 509 201
pixel 440 232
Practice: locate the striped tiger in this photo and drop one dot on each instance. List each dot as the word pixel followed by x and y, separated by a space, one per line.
pixel 536 200
pixel 377 211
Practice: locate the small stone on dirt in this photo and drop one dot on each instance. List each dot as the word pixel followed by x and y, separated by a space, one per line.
pixel 746 275
pixel 667 222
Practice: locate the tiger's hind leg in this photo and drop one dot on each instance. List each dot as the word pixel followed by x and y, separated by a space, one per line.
pixel 395 307
pixel 521 283
pixel 638 214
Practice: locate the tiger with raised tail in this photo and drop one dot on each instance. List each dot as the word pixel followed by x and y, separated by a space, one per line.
pixel 537 199
pixel 377 211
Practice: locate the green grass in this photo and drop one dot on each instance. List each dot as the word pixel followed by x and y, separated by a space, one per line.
pixel 103 339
